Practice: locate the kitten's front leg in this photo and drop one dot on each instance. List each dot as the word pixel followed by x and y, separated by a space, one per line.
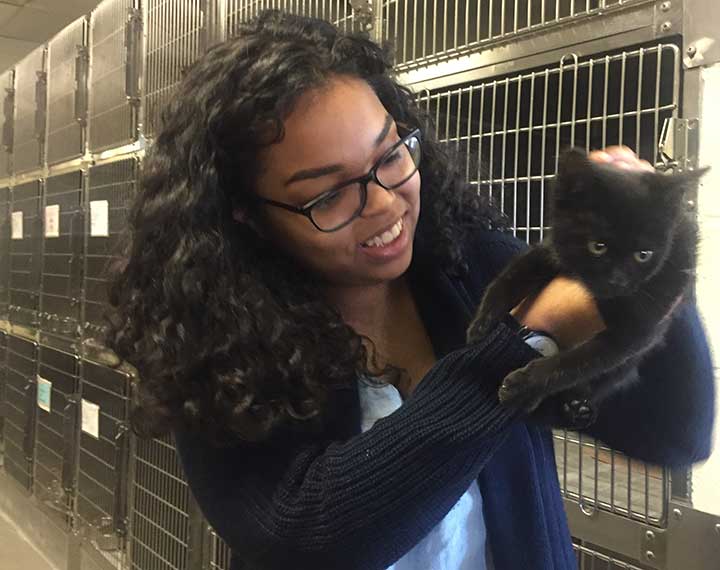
pixel 525 275
pixel 530 385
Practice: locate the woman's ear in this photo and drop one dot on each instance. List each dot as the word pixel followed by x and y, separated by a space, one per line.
pixel 241 216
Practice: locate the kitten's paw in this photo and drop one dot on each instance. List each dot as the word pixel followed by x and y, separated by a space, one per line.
pixel 480 326
pixel 578 414
pixel 523 389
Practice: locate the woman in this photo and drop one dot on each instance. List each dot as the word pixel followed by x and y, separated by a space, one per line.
pixel 303 263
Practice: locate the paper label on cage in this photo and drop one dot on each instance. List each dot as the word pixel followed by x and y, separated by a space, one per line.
pixel 17 225
pixel 99 218
pixel 52 221
pixel 44 393
pixel 91 418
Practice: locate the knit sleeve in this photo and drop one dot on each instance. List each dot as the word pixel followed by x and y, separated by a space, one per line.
pixel 362 502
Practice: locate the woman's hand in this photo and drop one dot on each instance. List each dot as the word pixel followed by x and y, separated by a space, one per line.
pixel 565 307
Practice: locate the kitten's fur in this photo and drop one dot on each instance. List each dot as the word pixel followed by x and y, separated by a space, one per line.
pixel 628 212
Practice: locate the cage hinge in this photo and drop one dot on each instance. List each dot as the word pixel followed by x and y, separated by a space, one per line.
pixel 679 144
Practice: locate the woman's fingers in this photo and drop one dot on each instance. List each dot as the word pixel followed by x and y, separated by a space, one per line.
pixel 621 157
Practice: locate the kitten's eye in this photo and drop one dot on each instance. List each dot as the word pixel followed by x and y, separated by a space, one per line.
pixel 597 248
pixel 643 256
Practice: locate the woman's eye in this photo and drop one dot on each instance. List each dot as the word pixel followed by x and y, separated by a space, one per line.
pixel 597 248
pixel 328 201
pixel 643 256
pixel 394 157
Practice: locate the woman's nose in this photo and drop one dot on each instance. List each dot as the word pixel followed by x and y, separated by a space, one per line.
pixel 379 200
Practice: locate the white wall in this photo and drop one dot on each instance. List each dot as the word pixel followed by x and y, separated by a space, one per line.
pixel 706 476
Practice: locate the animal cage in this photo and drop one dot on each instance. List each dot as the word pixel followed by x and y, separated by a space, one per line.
pixel 104 456
pixel 30 112
pixel 20 410
pixel 25 254
pixel 7 93
pixel 115 60
pixel 62 260
pixel 57 386
pixel 68 61
pixel 4 252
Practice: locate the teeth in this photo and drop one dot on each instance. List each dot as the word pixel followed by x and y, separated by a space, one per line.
pixel 386 237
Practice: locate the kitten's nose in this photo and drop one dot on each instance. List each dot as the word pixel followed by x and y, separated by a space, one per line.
pixel 618 279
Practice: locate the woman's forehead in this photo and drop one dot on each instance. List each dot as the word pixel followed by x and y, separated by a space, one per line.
pixel 338 123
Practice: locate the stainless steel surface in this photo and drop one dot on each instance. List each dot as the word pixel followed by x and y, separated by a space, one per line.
pixel 339 12
pixel 160 523
pixel 62 262
pixel 7 95
pixel 424 31
pixel 176 35
pixel 26 256
pixel 29 131
pixel 510 130
pixel 4 252
pixel 113 40
pixel 68 59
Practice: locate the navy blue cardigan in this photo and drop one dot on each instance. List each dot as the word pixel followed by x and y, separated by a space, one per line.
pixel 358 501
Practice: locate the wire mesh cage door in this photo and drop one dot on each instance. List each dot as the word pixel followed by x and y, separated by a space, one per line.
pixel 510 130
pixel 68 61
pixel 177 34
pixel 109 194
pixel 425 31
pixel 4 252
pixel 62 261
pixel 103 461
pixel 160 521
pixel 217 554
pixel 25 254
pixel 30 112
pixel 20 410
pixel 115 60
pixel 55 445
pixel 339 12
pixel 3 377
pixel 7 93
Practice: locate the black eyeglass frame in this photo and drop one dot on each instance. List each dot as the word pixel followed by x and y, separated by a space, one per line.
pixel 371 176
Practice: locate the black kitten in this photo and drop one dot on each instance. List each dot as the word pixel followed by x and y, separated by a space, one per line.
pixel 628 237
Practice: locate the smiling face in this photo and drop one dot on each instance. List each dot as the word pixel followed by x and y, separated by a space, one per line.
pixel 335 134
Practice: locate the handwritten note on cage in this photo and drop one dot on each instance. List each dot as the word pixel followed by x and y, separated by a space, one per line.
pixel 17 225
pixel 44 393
pixel 99 226
pixel 52 220
pixel 91 419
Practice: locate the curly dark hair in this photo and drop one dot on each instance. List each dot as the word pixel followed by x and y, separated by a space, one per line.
pixel 228 334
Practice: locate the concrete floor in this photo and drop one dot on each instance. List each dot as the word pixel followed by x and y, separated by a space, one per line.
pixel 16 552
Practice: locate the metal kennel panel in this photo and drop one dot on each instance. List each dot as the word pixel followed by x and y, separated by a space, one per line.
pixel 115 60
pixel 25 253
pixel 103 461
pixel 339 12
pixel 55 444
pixel 3 376
pixel 4 252
pixel 176 36
pixel 62 258
pixel 424 31
pixel 68 61
pixel 110 192
pixel 20 409
pixel 510 131
pixel 160 521
pixel 7 93
pixel 589 559
pixel 218 553
pixel 30 111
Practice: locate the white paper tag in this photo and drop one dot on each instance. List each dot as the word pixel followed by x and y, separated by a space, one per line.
pixel 52 220
pixel 99 218
pixel 17 225
pixel 91 419
pixel 44 393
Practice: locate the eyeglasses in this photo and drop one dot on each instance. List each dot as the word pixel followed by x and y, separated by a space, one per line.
pixel 336 208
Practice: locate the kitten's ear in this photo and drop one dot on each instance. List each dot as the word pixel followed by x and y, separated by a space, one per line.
pixel 573 164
